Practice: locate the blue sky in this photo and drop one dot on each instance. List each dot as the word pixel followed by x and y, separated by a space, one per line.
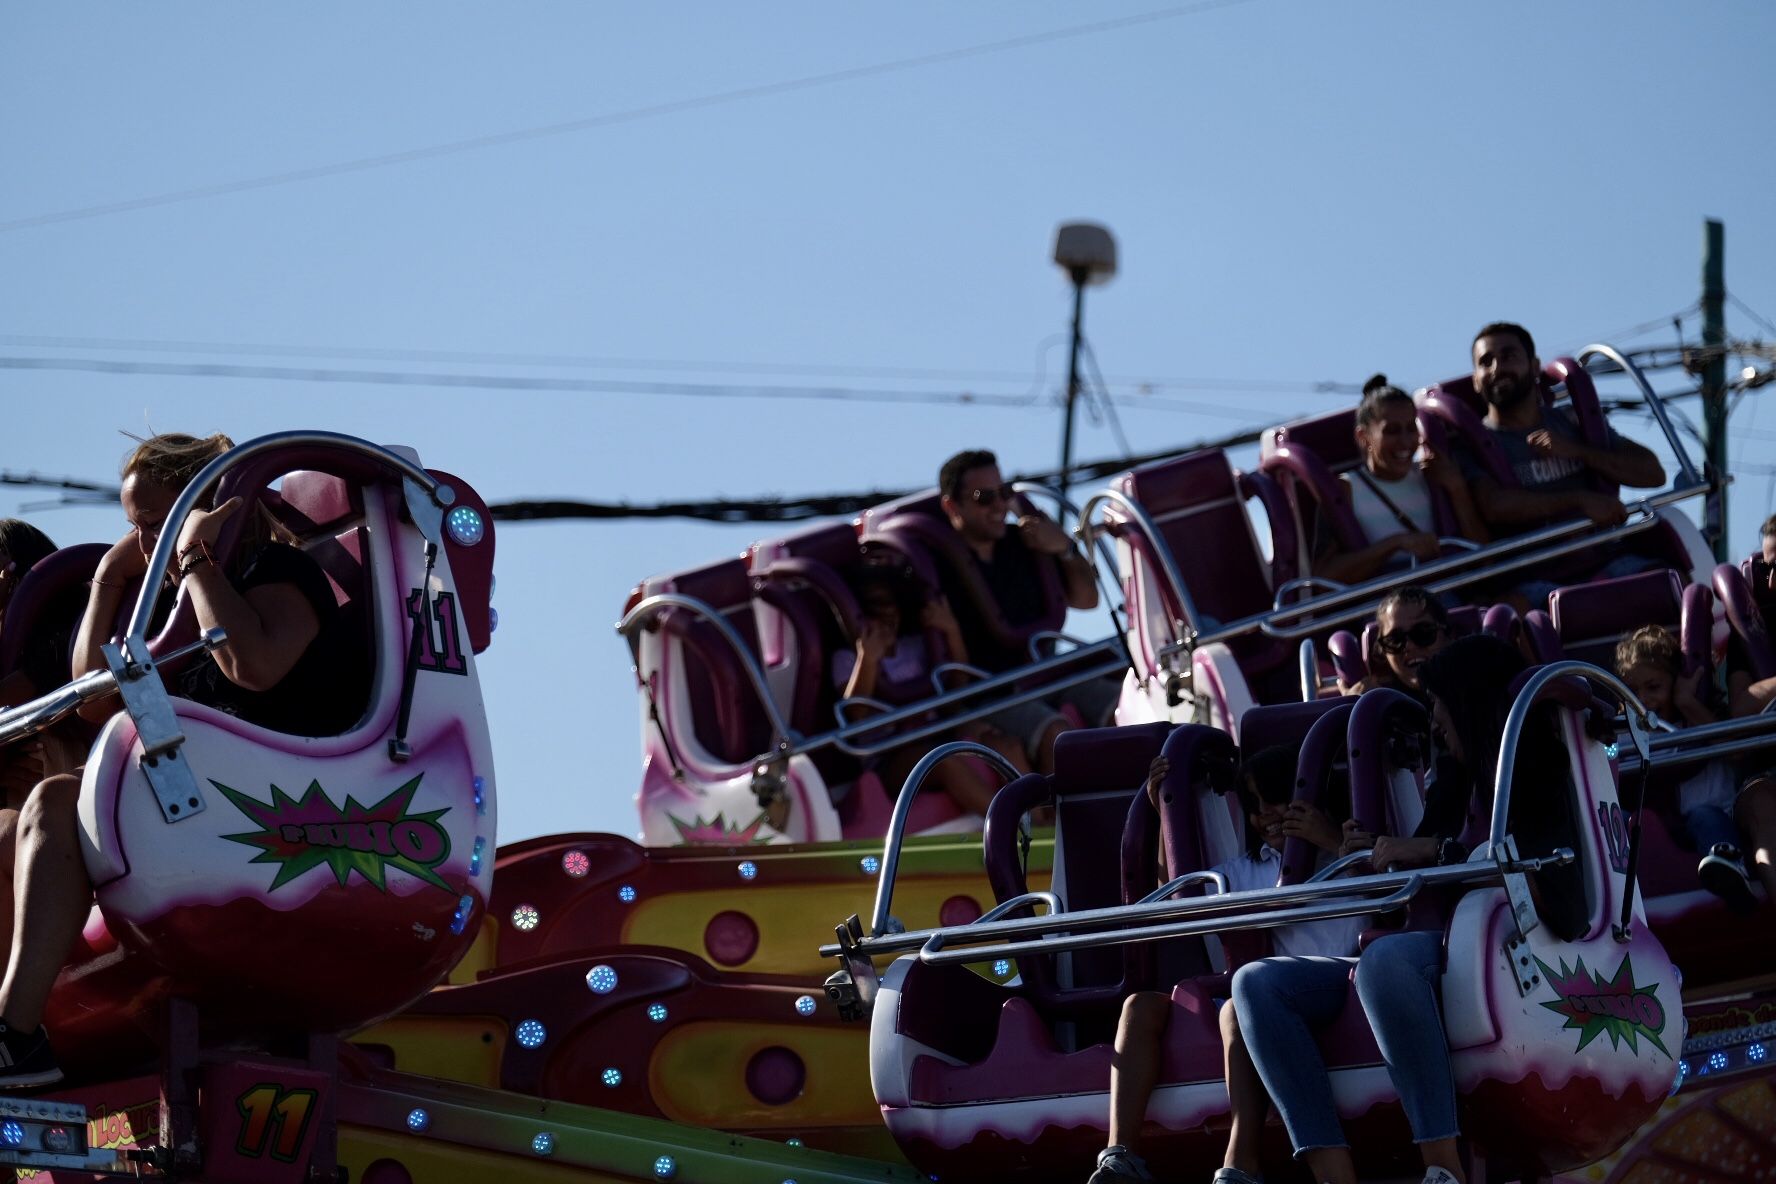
pixel 1300 192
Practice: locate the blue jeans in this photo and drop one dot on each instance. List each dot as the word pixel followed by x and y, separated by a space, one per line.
pixel 1280 1001
pixel 1397 979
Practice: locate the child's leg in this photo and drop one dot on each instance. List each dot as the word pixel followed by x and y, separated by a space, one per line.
pixel 1247 1100
pixel 53 897
pixel 1756 813
pixel 1135 1069
pixel 1710 826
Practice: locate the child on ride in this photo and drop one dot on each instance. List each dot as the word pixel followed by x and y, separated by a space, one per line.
pixel 884 655
pixel 1650 661
pixel 42 665
pixel 1272 817
pixel 1281 1001
pixel 1390 493
pixel 281 668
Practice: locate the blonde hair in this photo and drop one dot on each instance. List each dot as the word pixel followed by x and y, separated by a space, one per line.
pixel 172 459
pixel 1649 645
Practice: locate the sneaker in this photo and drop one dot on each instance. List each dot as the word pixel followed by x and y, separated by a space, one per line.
pixel 1722 872
pixel 26 1060
pixel 1233 1176
pixel 1439 1176
pixel 1117 1163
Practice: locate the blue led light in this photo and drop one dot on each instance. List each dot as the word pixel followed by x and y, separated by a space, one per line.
pixel 459 920
pixel 418 1121
pixel 543 1144
pixel 657 1012
pixel 805 1005
pixel 1717 1061
pixel 626 894
pixel 475 856
pixel 612 1077
pixel 531 1033
pixel 12 1134
pixel 601 979
pixel 1002 968
pixel 793 1141
pixel 748 870
pixel 492 619
pixel 870 865
pixel 1756 1053
pixel 465 525
pixel 480 784
pixel 665 1167
pixel 1611 749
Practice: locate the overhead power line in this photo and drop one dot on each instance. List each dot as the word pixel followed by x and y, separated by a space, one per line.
pixel 612 118
pixel 601 386
pixel 1150 383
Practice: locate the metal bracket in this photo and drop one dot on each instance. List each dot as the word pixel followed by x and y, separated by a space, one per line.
pixel 852 987
pixel 1523 910
pixel 157 728
pixel 1523 965
pixel 427 509
pixel 52 1135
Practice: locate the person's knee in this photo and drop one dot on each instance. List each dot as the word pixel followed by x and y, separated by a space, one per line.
pixel 1145 1014
pixel 51 806
pixel 1253 983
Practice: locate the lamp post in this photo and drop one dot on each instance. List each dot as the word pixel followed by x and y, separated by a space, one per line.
pixel 1087 253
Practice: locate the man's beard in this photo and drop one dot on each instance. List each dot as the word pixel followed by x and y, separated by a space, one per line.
pixel 1508 392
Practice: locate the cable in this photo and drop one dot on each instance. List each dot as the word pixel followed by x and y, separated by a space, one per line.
pixel 1753 313
pixel 633 114
pixel 1036 377
pixel 1103 395
pixel 585 385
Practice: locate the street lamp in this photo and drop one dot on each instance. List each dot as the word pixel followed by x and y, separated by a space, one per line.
pixel 1087 253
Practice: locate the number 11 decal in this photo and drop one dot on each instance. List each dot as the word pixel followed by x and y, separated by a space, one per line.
pixel 440 635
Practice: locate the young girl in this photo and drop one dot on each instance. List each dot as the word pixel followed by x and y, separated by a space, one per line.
pixel 1272 818
pixel 883 654
pixel 1650 661
pixel 1390 493
pixel 1411 624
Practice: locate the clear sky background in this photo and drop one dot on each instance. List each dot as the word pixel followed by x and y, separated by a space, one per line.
pixel 1301 192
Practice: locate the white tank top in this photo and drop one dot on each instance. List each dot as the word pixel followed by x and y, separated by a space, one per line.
pixel 1411 493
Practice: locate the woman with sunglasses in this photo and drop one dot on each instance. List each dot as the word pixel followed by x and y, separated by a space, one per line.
pixel 1411 625
pixel 1391 493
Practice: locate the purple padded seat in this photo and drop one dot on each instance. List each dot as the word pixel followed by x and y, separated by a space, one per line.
pixel 1589 619
pixel 802 578
pixel 1745 617
pixel 51 595
pixel 726 717
pixel 1198 506
pixel 1096 787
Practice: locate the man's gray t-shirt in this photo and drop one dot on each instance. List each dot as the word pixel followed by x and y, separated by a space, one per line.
pixel 1536 471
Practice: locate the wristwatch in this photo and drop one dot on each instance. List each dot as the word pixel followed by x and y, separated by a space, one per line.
pixel 1450 851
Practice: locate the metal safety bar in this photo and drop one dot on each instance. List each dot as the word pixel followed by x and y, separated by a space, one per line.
pixel 1686 469
pixel 993 914
pixel 1705 741
pixel 1090 661
pixel 903 807
pixel 1310 670
pixel 644 613
pixel 1213 878
pixel 1298 583
pixel 1168 566
pixel 32 717
pixel 1103 548
pixel 441 496
pixel 1169 929
pixel 1232 907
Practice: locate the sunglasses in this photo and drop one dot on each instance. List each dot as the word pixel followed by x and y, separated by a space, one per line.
pixel 1420 635
pixel 991 497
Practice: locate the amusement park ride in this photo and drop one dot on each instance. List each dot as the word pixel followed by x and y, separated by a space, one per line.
pixel 309 960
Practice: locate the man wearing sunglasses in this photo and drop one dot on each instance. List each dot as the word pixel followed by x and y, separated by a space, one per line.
pixel 976 500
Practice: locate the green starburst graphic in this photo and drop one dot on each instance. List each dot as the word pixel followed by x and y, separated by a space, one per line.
pixel 300 834
pixel 1595 1006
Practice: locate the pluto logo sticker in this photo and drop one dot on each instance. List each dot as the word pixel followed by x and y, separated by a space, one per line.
pixel 1594 1005
pixel 299 834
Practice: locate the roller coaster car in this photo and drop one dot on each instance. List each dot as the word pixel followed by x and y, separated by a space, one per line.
pixel 291 884
pixel 1563 1043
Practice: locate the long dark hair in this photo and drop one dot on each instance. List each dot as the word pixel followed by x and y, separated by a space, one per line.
pixel 23 544
pixel 1472 676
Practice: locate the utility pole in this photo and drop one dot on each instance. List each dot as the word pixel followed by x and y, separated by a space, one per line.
pixel 1714 386
pixel 1079 275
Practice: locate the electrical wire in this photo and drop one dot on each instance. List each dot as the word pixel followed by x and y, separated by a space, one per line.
pixel 612 118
